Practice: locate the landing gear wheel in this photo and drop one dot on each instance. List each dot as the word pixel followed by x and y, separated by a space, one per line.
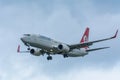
pixel 28 48
pixel 49 58
pixel 65 55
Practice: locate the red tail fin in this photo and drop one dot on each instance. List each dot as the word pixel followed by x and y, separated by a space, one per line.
pixel 85 37
pixel 18 49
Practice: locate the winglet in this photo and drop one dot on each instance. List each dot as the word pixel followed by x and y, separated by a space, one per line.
pixel 18 49
pixel 115 34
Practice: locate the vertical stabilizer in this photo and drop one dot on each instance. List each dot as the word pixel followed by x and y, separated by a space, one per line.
pixel 85 37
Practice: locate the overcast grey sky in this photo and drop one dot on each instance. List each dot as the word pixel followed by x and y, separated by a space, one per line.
pixel 65 21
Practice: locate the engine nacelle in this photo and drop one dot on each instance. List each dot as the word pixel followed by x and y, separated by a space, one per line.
pixel 77 52
pixel 35 52
pixel 63 48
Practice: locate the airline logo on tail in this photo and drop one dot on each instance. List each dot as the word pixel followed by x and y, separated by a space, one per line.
pixel 85 37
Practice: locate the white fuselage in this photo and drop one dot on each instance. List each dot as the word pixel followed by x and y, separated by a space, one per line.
pixel 50 45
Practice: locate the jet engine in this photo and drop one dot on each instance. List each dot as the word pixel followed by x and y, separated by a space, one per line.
pixel 35 52
pixel 63 48
pixel 77 52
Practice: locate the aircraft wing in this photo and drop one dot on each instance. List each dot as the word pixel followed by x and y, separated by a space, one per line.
pixel 87 44
pixel 89 50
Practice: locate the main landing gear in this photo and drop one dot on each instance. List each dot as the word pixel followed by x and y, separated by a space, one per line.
pixel 49 57
pixel 65 55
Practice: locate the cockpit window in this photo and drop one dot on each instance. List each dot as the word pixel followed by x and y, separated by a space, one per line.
pixel 26 34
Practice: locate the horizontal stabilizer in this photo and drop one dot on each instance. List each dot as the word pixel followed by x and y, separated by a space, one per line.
pixel 18 50
pixel 24 52
pixel 97 49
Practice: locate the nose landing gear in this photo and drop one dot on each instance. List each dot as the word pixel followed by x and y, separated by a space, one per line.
pixel 28 48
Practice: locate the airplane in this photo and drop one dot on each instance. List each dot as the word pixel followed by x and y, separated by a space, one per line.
pixel 43 45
